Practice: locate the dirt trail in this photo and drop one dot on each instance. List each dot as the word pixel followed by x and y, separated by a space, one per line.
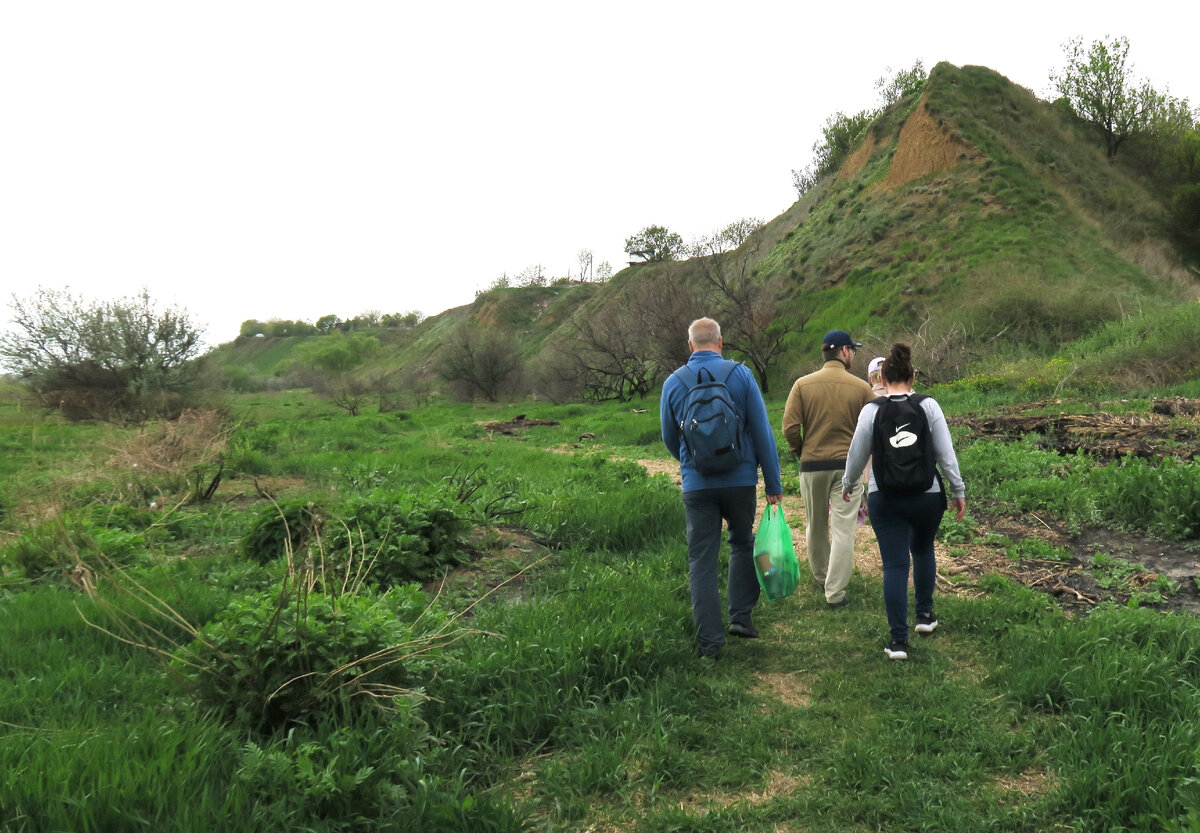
pixel 1075 582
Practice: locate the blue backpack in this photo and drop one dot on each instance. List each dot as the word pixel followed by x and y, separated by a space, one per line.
pixel 711 427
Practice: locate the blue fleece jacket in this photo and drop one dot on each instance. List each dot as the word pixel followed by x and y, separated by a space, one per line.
pixel 758 446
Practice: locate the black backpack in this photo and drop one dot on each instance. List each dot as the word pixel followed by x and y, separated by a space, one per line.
pixel 710 425
pixel 902 457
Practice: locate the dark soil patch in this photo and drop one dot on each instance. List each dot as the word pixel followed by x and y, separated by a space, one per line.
pixel 1104 436
pixel 1172 429
pixel 515 425
pixel 1077 582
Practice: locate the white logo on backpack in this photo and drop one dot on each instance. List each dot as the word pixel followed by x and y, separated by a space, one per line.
pixel 903 439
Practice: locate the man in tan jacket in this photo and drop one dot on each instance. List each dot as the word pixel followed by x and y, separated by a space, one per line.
pixel 818 424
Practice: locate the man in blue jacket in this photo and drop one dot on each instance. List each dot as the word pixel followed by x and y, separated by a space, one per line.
pixel 731 495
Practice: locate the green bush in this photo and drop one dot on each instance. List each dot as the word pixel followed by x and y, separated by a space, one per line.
pixel 65 544
pixel 282 528
pixel 404 537
pixel 290 656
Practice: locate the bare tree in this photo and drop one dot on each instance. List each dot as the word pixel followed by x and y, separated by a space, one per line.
pixel 607 357
pixel 746 306
pixel 345 390
pixel 585 264
pixel 661 307
pixel 482 359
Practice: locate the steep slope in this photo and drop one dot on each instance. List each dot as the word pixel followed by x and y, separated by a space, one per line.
pixel 980 209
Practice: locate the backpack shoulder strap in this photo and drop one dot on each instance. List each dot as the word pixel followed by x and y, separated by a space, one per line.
pixel 685 374
pixel 730 366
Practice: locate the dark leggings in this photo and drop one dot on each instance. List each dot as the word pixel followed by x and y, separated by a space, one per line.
pixel 905 527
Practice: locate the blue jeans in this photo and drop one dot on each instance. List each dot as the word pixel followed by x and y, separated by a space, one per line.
pixel 704 510
pixel 905 526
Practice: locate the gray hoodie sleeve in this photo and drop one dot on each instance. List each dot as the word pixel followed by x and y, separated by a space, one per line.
pixel 860 448
pixel 943 447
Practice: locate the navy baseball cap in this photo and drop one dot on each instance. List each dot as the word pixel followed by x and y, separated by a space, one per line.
pixel 839 338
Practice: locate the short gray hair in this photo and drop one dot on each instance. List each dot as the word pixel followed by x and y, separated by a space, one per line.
pixel 704 332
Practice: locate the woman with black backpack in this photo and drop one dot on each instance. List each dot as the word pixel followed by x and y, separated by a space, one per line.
pixel 904 434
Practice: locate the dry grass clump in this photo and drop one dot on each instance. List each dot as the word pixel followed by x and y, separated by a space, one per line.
pixel 197 437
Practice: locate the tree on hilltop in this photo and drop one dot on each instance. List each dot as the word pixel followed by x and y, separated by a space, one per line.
pixel 655 244
pixel 1099 84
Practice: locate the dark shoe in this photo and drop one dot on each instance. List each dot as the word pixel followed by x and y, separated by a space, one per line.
pixel 744 631
pixel 835 605
pixel 926 623
pixel 710 654
pixel 896 650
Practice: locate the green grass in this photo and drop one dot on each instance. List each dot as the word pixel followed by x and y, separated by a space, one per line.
pixel 578 701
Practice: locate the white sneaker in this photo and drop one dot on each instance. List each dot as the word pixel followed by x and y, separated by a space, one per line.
pixel 896 650
pixel 926 623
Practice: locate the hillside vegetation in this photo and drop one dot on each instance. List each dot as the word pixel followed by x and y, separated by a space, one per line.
pixel 980 223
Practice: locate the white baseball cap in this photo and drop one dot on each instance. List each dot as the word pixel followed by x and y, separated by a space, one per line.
pixel 876 364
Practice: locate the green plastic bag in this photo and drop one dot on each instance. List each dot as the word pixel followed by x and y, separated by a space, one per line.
pixel 775 555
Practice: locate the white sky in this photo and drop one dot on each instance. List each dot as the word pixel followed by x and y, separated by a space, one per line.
pixel 291 159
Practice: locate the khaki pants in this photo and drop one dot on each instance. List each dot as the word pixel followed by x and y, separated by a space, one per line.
pixel 830 534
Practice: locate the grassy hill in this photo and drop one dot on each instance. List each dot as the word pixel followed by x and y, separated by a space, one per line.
pixel 981 224
pixel 976 206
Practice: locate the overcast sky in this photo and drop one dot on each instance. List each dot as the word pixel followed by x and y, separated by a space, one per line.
pixel 292 159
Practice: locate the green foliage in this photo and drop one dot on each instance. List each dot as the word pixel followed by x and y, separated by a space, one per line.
pixel 357 776
pixel 338 352
pixel 1099 85
pixel 1161 497
pixel 654 244
pixel 840 135
pixel 1116 678
pixel 1141 352
pixel 1038 550
pixel 953 531
pixel 282 529
pixel 74 545
pixel 295 655
pixel 904 83
pixel 405 536
pixel 118 359
pixel 1041 320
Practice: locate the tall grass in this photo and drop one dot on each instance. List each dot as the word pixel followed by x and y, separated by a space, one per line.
pixel 1122 679
pixel 579 703
pixel 1161 497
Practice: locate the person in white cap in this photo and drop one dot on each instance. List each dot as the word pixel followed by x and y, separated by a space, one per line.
pixel 875 376
pixel 818 423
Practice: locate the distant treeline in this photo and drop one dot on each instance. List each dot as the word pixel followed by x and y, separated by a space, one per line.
pixel 326 324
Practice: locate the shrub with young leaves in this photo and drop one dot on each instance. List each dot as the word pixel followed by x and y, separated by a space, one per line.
pixel 364 777
pixel 282 528
pixel 294 655
pixel 405 536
